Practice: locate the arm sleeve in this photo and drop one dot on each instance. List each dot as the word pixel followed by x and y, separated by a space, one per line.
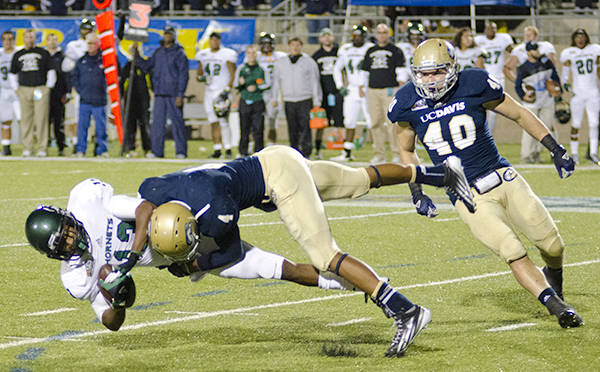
pixel 337 72
pixel 316 88
pixel 183 68
pixel 519 83
pixel 565 74
pixel 51 78
pixel 123 206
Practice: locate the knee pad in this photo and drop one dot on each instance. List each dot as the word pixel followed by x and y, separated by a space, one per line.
pixel 552 245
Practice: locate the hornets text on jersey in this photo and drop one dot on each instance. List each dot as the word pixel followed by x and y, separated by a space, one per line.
pixel 455 125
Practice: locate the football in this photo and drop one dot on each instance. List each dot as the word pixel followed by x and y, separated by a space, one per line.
pixel 553 88
pixel 529 93
pixel 128 284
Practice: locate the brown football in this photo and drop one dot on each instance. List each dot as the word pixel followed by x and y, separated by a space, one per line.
pixel 129 285
pixel 552 88
pixel 529 93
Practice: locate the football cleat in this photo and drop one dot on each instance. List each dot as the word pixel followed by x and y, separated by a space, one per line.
pixel 216 154
pixel 554 278
pixel 569 318
pixel 456 182
pixel 594 159
pixel 343 157
pixel 408 326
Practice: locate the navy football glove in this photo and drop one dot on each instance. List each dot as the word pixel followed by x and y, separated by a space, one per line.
pixel 563 162
pixel 423 203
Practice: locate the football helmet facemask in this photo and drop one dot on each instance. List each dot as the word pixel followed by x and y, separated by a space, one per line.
pixel 434 55
pixel 173 231
pixel 562 112
pixel 56 233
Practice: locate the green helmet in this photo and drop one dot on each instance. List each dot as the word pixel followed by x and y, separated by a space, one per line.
pixel 48 229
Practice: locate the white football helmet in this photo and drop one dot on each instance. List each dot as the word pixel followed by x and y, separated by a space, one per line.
pixel 431 55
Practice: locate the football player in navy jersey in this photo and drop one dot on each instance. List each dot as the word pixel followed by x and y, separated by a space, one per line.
pixel 280 178
pixel 447 111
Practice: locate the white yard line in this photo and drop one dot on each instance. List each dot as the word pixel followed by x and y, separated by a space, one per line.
pixel 510 327
pixel 353 321
pixel 259 307
pixel 55 311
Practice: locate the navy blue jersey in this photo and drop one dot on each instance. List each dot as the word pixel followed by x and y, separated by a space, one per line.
pixel 455 125
pixel 216 194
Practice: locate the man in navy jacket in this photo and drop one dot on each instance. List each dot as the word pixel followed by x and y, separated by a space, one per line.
pixel 89 81
pixel 168 68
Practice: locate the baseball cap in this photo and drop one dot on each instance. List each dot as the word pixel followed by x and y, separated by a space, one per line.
pixel 531 45
pixel 169 28
pixel 325 31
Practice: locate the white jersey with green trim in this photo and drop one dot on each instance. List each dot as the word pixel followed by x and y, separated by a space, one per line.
pixel 5 60
pixel 215 68
pixel 496 49
pixel 351 58
pixel 584 64
pixel 110 239
pixel 466 58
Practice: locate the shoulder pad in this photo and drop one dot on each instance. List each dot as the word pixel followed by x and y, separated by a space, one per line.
pixel 472 82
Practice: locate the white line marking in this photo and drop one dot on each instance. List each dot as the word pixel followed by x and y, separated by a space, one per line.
pixel 14 245
pixel 445 219
pixel 511 327
pixel 261 307
pixel 47 312
pixel 358 216
pixel 353 321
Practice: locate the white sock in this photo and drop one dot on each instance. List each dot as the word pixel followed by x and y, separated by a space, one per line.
pixel 574 147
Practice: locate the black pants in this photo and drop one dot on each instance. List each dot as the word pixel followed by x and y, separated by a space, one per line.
pixel 252 120
pixel 138 117
pixel 335 113
pixel 57 119
pixel 297 115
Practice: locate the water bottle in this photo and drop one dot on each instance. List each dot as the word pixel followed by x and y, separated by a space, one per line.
pixel 331 99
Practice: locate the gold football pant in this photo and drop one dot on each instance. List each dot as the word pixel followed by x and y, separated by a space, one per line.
pixel 297 186
pixel 508 208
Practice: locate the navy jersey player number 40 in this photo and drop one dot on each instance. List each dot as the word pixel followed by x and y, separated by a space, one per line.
pixel 446 109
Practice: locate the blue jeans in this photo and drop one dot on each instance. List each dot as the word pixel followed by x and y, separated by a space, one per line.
pixel 86 111
pixel 314 26
pixel 165 106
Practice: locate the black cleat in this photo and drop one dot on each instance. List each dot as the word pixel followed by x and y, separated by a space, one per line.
pixel 228 154
pixel 456 182
pixel 6 151
pixel 569 318
pixel 555 279
pixel 216 154
pixel 408 326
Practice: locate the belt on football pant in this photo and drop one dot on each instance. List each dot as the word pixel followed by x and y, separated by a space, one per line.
pixel 487 182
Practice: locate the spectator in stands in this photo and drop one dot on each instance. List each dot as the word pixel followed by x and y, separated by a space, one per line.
pixel 137 111
pixel 333 102
pixel 168 68
pixel 530 85
pixel 297 79
pixel 225 8
pixel 56 7
pixel 495 44
pixel 251 83
pixel 89 81
pixel 59 95
pixel 383 63
pixel 316 8
pixel 216 68
pixel 33 73
pixel 8 96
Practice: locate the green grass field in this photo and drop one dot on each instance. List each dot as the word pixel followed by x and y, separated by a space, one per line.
pixel 234 325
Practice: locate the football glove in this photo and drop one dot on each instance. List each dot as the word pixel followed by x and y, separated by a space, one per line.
pixel 567 87
pixel 423 203
pixel 344 91
pixel 565 166
pixel 117 289
pixel 132 258
pixel 201 78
